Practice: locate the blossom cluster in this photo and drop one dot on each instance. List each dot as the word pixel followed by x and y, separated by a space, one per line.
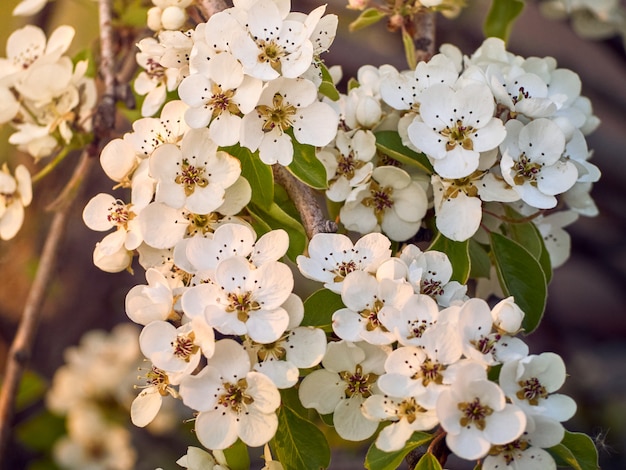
pixel 413 349
pixel 97 373
pixel 496 130
pixel 220 324
pixel 45 114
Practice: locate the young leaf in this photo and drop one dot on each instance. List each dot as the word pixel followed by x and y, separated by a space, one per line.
pixel 298 443
pixel 377 459
pixel 409 49
pixel 521 276
pixel 458 253
pixel 390 143
pixel 237 456
pixel 258 174
pixel 527 234
pixel 428 462
pixel 327 87
pixel 275 217
pixel 367 18
pixel 500 18
pixel 319 308
pixel 307 167
pixel 576 451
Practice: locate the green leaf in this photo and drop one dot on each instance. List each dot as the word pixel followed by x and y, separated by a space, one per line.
pixel 377 459
pixel 307 167
pixel 298 443
pixel 390 143
pixel 458 253
pixel 327 87
pixel 480 264
pixel 521 276
pixel 319 308
pixel 576 451
pixel 409 49
pixel 367 18
pixel 237 456
pixel 275 217
pixel 40 431
pixel 428 462
pixel 500 18
pixel 289 398
pixel 32 387
pixel 258 174
pixel 527 234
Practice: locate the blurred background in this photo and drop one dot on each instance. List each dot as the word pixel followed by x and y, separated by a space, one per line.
pixel 585 320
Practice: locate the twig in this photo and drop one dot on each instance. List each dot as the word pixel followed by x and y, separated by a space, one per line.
pixel 22 345
pixel 306 202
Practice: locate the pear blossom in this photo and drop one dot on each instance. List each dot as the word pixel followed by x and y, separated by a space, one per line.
pixel 407 416
pixel 423 371
pixel 198 459
pixel 481 341
pixel 194 176
pixel 177 349
pixel 531 162
pixel 430 273
pixel 287 106
pixel 475 415
pixel 348 162
pixel 233 402
pixel 155 80
pixel 151 302
pixel 15 194
pixel 333 256
pixel 218 97
pixel 455 126
pixel 530 383
pixel 244 299
pixel 148 402
pixel 167 14
pixel 390 202
pixel 367 298
pixel 104 212
pixel 347 379
pixel 518 455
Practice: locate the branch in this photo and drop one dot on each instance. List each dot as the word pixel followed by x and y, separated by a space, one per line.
pixel 21 348
pixel 424 35
pixel 22 345
pixel 306 202
pixel 208 8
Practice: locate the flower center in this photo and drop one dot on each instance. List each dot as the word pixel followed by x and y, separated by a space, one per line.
pixel 509 451
pixel 531 390
pixel 458 135
pixel 119 215
pixel 272 351
pixel 371 315
pixel 184 346
pixel 380 199
pixel 474 413
pixel 271 53
pixel 278 115
pixel 486 344
pixel 358 383
pixel 431 287
pixel 466 185
pixel 430 372
pixel 158 378
pixel 234 396
pixel 409 409
pixel 342 270
pixel 191 176
pixel 200 223
pixel 154 69
pixel 243 304
pixel 525 170
pixel 521 94
pixel 222 101
pixel 347 165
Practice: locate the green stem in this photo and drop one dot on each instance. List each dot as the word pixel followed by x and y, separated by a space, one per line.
pixel 53 164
